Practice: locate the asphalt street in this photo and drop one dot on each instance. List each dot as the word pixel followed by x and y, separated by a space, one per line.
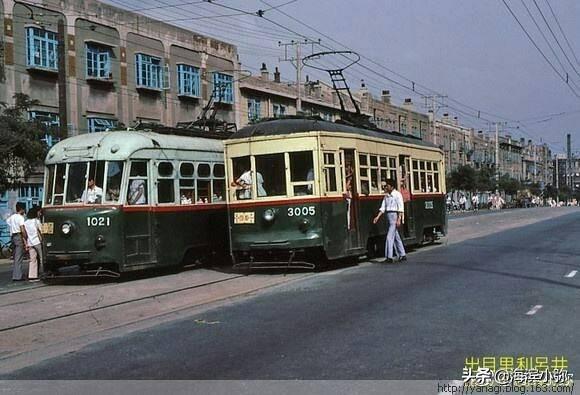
pixel 507 294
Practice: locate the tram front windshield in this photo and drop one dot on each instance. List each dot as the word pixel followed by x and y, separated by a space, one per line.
pixel 95 182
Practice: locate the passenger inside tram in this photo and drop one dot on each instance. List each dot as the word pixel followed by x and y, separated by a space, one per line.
pixel 137 192
pixel 93 194
pixel 243 183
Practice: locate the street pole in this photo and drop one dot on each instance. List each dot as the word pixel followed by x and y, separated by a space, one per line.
pixel 497 152
pixel 62 98
pixel 298 78
pixel 557 181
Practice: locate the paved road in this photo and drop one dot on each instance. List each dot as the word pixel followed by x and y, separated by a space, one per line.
pixel 415 321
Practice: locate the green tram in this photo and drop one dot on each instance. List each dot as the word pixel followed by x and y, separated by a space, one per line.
pixel 121 201
pixel 303 191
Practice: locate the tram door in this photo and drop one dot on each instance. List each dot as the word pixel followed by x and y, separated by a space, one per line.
pixel 405 189
pixel 347 162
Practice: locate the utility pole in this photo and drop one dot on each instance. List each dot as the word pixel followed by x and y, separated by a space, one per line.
pixel 497 174
pixel 62 98
pixel 296 61
pixel 433 104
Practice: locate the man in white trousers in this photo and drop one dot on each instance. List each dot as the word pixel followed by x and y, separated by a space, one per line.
pixel 394 207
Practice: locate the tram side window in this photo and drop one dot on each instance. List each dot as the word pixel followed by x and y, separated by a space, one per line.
pixel 270 175
pixel 219 184
pixel 364 174
pixel 137 192
pixel 302 173
pixel 374 172
pixel 49 184
pixel 203 186
pixel 114 178
pixel 425 176
pixel 165 183
pixel 59 180
pixel 330 172
pixel 242 178
pixel 186 183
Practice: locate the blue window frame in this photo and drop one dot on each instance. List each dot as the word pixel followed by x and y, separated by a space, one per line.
pixel 279 110
pixel 41 48
pixel 223 88
pixel 51 121
pixel 98 61
pixel 188 80
pixel 101 124
pixel 148 71
pixel 254 107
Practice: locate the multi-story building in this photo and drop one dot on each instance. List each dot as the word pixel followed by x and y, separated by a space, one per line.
pixel 91 66
pixel 536 163
pixel 566 172
pixel 266 97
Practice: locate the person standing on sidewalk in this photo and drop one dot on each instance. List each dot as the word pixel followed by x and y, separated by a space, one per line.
pixel 394 207
pixel 18 235
pixel 34 243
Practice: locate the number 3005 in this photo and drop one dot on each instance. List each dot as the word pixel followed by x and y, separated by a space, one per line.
pixel 297 211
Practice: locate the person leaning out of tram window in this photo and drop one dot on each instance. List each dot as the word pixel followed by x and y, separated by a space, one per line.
pixel 18 237
pixel 93 194
pixel 33 243
pixel 244 185
pixel 137 193
pixel 394 207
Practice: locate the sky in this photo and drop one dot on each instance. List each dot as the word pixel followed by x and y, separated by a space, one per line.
pixel 472 51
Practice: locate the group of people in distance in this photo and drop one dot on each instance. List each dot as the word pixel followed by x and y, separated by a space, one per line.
pixel 26 236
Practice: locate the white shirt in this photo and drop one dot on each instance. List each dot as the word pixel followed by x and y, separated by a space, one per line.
pixel 393 202
pixel 32 226
pixel 137 192
pixel 14 222
pixel 246 181
pixel 92 195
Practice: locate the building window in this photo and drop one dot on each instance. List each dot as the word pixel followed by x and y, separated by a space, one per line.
pixel 101 124
pixel 98 62
pixel 254 108
pixel 41 48
pixel 50 121
pixel 279 110
pixel 188 79
pixel 223 89
pixel 148 71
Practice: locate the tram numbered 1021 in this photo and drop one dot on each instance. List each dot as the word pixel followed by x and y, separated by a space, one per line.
pixel 302 192
pixel 122 201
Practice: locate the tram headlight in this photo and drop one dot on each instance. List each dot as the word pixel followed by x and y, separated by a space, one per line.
pixel 269 215
pixel 66 228
pixel 304 224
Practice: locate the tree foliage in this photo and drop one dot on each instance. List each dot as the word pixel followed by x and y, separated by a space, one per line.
pixel 463 178
pixel 509 185
pixel 21 147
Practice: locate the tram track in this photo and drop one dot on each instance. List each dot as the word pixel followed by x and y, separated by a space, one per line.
pixel 125 302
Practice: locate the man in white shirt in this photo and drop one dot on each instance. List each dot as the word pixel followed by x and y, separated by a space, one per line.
pixel 33 240
pixel 18 236
pixel 394 206
pixel 93 194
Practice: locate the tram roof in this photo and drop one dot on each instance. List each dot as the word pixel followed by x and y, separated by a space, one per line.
pixel 119 145
pixel 280 127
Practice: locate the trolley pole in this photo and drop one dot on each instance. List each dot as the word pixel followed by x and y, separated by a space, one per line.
pixel 433 106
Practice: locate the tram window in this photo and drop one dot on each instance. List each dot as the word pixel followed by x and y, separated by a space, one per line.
pixel 165 191
pixel 374 161
pixel 392 163
pixel 138 169
pixel 49 184
pixel 76 182
pixel 330 172
pixel 302 173
pixel 374 180
pixel 186 169
pixel 435 166
pixel 363 160
pixel 422 165
pixel 423 182
pixel 203 191
pixel 137 191
pixel 364 187
pixel 93 194
pixel 429 165
pixel 219 170
pixel 384 175
pixel 383 161
pixel 271 175
pixel 435 182
pixel 203 170
pixel 219 187
pixel 416 185
pixel 114 177
pixel 242 177
pixel 165 169
pixel 187 191
pixel 364 172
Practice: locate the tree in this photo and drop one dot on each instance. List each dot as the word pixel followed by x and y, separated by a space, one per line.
pixel 21 147
pixel 463 178
pixel 485 180
pixel 509 185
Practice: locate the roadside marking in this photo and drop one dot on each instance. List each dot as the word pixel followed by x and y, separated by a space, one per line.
pixel 534 309
pixel 571 274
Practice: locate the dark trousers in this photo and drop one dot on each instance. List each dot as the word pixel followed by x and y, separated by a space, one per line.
pixel 18 248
